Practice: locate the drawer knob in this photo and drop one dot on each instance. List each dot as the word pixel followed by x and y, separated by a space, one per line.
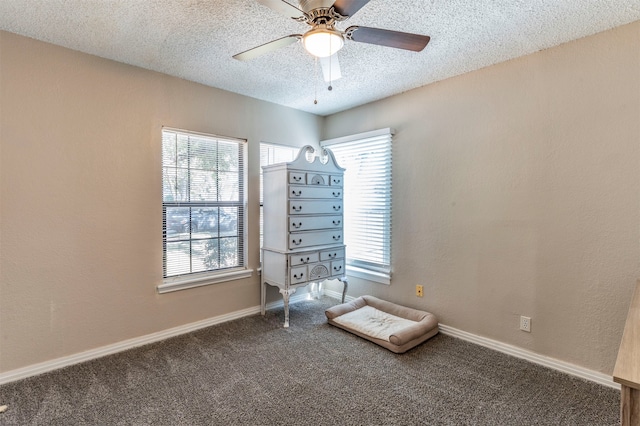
pixel 337 268
pixel 296 225
pixel 296 193
pixel 337 237
pixel 297 242
pixel 337 222
pixel 303 260
pixel 334 207
pixel 297 178
pixel 336 194
pixel 297 208
pixel 298 277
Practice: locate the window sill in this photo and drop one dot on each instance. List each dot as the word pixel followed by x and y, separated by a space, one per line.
pixel 369 275
pixel 176 284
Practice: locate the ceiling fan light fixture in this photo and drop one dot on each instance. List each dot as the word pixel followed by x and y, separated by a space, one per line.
pixel 322 41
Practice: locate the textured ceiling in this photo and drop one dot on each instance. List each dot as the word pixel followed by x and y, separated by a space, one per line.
pixel 196 39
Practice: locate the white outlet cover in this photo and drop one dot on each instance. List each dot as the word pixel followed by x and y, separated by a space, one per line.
pixel 525 324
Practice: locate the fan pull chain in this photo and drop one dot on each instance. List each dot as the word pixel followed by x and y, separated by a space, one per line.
pixel 330 88
pixel 315 82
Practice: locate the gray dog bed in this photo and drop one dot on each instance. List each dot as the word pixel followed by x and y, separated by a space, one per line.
pixel 387 324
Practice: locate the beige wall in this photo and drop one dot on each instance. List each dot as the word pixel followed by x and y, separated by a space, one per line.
pixel 80 215
pixel 517 192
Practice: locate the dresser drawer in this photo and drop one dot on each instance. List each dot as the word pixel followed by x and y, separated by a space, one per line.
pixel 319 271
pixel 337 267
pixel 304 258
pixel 317 179
pixel 298 177
pixel 315 207
pixel 335 180
pixel 298 275
pixel 337 253
pixel 314 238
pixel 307 223
pixel 300 191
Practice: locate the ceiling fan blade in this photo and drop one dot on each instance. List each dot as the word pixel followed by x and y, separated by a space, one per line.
pixel 349 7
pixel 283 8
pixel 267 47
pixel 397 39
pixel 330 68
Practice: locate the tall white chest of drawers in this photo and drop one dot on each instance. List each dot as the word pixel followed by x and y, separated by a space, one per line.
pixel 303 239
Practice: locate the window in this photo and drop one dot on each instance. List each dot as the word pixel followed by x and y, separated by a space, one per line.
pixel 273 154
pixel 203 209
pixel 367 202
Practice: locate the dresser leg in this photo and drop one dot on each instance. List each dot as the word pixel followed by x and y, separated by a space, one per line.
pixel 263 297
pixel 345 282
pixel 285 297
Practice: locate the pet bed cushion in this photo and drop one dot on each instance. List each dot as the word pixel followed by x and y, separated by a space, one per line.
pixel 387 324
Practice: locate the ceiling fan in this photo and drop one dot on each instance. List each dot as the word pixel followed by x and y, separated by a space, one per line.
pixel 323 40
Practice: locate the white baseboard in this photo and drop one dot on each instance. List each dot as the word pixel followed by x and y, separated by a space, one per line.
pixel 336 295
pixel 43 367
pixel 565 367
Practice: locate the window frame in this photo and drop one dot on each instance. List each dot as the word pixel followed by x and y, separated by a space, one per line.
pixel 197 279
pixel 379 272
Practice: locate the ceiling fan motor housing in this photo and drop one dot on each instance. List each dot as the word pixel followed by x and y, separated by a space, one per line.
pixel 309 5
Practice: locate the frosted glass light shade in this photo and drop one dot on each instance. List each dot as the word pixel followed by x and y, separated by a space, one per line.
pixel 322 42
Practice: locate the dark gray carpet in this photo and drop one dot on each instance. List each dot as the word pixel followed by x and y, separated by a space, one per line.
pixel 252 371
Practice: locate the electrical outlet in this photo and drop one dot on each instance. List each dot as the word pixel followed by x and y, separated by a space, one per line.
pixel 419 291
pixel 525 324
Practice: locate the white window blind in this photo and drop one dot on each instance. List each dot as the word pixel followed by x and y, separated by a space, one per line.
pixel 367 158
pixel 203 204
